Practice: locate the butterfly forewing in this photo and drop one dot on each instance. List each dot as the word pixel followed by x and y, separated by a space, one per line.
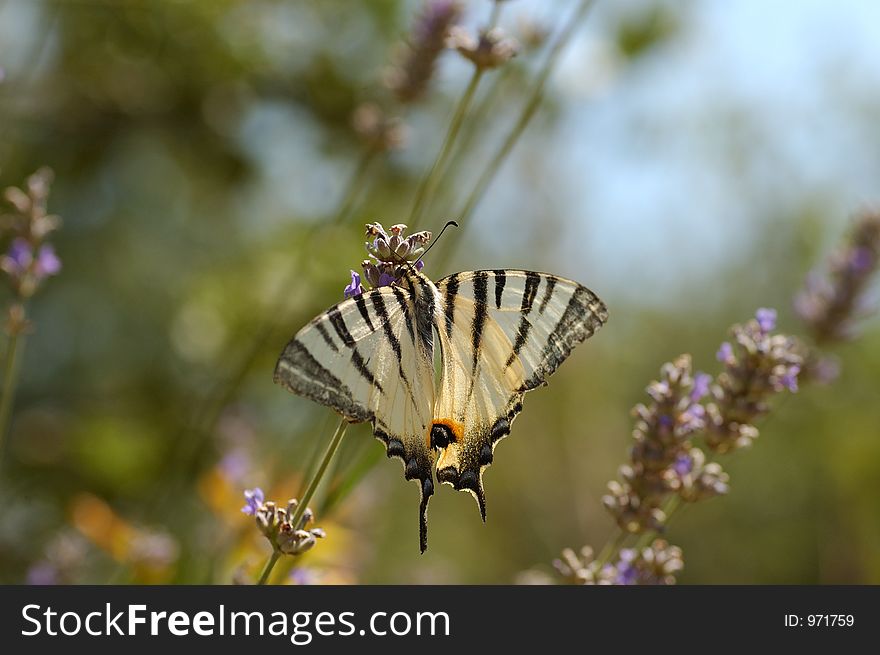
pixel 502 333
pixel 366 359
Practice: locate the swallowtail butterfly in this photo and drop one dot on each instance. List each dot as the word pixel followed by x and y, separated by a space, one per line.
pixel 500 333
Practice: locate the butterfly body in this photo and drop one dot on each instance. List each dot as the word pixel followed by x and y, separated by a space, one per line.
pixel 499 333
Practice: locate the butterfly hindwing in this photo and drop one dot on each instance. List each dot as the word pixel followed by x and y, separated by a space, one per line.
pixel 369 359
pixel 502 333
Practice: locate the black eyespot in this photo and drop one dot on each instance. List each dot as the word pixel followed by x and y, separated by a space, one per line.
pixel 441 436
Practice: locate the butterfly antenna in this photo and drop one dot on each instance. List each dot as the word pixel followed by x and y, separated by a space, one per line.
pixel 404 262
pixel 448 223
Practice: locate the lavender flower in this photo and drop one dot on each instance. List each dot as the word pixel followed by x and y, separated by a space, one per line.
pixel 275 524
pixel 581 568
pixel 758 366
pixel 414 66
pixel 725 353
pixel 390 253
pixel 19 257
pixel 834 299
pixel 253 501
pixel 766 319
pixel 355 288
pixel 656 564
pixel 47 262
pixel 683 464
pixel 701 386
pixel 29 259
pixel 661 435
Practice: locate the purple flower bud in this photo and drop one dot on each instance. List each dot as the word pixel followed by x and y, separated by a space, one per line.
pixel 701 386
pixel 861 260
pixel 355 288
pixel 386 280
pixel 683 464
pixel 47 262
pixel 766 319
pixel 20 255
pixel 420 265
pixel 254 500
pixel 725 353
pixel 627 572
pixel 789 380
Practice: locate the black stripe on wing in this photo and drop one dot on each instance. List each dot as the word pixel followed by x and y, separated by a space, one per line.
pixel 326 336
pixel 378 301
pixel 548 292
pixel 500 280
pixel 362 308
pixel 338 324
pixel 583 315
pixel 481 312
pixel 533 280
pixel 449 306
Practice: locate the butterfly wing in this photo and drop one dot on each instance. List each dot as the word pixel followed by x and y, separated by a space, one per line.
pixel 502 333
pixel 369 359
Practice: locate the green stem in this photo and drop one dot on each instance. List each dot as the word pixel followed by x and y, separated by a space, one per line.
pixel 612 548
pixel 10 379
pixel 273 560
pixel 304 500
pixel 306 497
pixel 475 124
pixel 429 182
pixel 528 111
pixel 350 479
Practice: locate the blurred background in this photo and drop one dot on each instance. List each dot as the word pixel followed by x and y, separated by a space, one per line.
pixel 689 161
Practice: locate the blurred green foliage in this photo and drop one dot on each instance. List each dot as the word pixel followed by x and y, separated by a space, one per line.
pixel 201 150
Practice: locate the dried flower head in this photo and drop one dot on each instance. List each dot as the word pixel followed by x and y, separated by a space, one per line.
pixel 389 252
pixel 414 64
pixel 276 523
pixel 490 49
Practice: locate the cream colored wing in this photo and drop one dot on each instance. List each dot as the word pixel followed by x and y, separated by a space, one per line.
pixel 502 333
pixel 368 359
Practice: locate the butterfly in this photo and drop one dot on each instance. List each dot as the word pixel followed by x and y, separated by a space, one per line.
pixel 500 333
